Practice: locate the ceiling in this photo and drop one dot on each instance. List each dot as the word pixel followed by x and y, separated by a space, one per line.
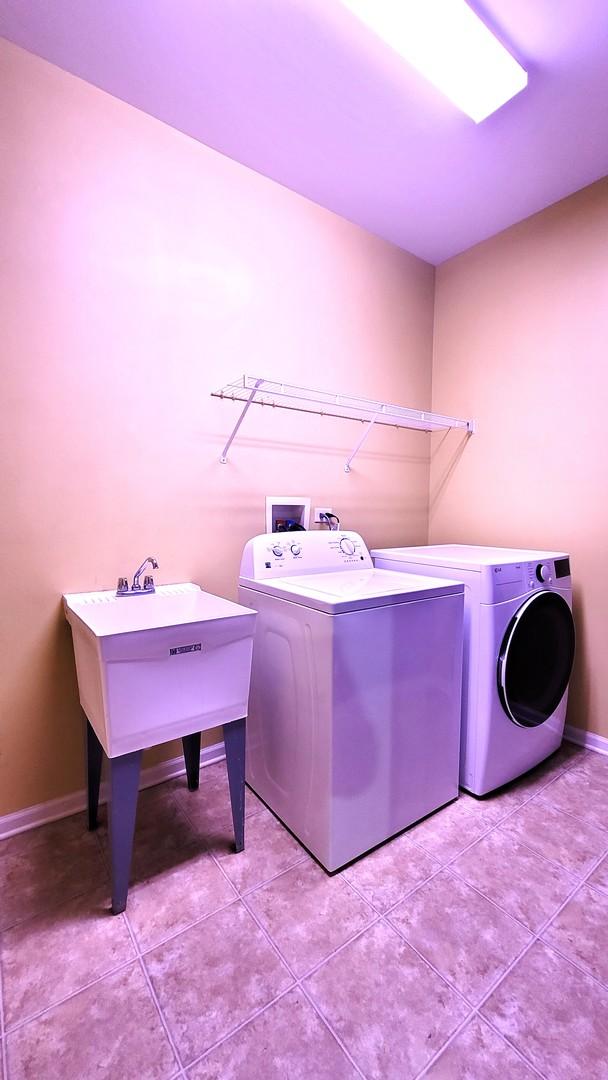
pixel 299 91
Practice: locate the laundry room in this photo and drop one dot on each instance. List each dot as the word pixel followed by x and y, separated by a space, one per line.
pixel 304 725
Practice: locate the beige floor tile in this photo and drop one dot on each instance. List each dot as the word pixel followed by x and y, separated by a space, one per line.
pixel 308 914
pixel 112 1029
pixel 582 790
pixel 213 977
pixel 556 1015
pixel 569 841
pixel 478 1053
pixel 599 877
pixel 463 935
pixel 387 874
pixel 51 956
pixel 212 799
pixel 164 835
pixel 490 809
pixel 391 1011
pixel 39 875
pixel 448 831
pixel 53 837
pixel 580 931
pixel 173 899
pixel 287 1041
pixel 520 881
pixel 571 754
pixel 269 849
pixel 591 761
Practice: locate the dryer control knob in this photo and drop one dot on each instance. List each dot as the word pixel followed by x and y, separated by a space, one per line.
pixel 347 546
pixel 277 550
pixel 543 572
pixel 296 549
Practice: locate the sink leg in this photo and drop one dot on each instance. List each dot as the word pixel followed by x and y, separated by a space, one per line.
pixel 192 757
pixel 234 742
pixel 124 786
pixel 94 753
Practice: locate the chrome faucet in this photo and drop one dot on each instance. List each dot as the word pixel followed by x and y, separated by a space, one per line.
pixel 137 589
pixel 148 580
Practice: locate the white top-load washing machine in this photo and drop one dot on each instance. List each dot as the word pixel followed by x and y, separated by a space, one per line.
pixel 353 727
pixel 518 652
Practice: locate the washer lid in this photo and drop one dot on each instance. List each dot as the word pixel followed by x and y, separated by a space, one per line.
pixel 353 590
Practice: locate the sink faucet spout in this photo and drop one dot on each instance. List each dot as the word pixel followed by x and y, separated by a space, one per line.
pixel 153 563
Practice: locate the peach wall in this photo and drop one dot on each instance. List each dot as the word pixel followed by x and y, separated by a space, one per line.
pixel 521 326
pixel 141 270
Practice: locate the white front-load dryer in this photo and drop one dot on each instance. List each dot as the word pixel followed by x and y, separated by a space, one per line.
pixel 519 645
pixel 353 729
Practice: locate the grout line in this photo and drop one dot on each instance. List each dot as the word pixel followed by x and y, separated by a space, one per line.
pixel 570 813
pixel 146 950
pixel 474 1012
pixel 3 1043
pixel 154 997
pixel 536 937
pixel 381 916
pixel 504 911
pixel 238 1027
pixel 504 1038
pixel 324 1020
pixel 68 997
pixel 497 825
pixel 299 981
pixel 267 881
pixel 91 887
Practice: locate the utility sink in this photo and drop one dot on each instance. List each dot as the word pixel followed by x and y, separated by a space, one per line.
pixel 156 667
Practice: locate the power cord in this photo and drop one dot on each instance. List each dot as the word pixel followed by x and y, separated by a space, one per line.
pixel 332 520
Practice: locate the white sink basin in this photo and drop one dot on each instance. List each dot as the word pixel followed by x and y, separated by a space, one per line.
pixel 155 667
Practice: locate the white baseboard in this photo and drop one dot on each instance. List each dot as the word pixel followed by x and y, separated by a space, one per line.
pixel 54 809
pixel 588 739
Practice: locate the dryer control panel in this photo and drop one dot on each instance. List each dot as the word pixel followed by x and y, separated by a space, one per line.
pixel 503 582
pixel 285 554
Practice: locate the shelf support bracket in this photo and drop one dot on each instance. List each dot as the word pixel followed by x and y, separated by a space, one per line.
pixel 360 443
pixel 224 457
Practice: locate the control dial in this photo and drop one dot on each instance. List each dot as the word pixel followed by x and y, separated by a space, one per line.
pixel 296 549
pixel 277 550
pixel 543 572
pixel 347 546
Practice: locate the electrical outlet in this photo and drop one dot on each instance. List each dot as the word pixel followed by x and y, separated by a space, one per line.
pixel 322 510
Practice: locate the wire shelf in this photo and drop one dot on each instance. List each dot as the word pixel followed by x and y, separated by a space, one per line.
pixel 253 390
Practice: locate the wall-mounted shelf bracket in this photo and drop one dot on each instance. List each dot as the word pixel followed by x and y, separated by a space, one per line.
pixel 248 402
pixel 356 449
pixel 253 390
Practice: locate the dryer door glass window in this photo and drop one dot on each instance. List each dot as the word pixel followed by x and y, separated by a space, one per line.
pixel 536 659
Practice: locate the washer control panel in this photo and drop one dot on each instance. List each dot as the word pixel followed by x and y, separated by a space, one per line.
pixel 285 554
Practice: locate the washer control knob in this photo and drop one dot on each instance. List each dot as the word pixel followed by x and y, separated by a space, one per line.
pixel 277 550
pixel 296 549
pixel 542 572
pixel 347 546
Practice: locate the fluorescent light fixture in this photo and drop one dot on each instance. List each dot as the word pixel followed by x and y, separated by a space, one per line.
pixel 450 46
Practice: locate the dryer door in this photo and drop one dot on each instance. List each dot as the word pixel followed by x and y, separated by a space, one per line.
pixel 535 659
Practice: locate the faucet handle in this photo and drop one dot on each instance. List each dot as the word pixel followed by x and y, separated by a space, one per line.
pixel 122 587
pixel 149 583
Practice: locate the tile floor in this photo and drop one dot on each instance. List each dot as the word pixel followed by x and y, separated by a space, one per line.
pixel 475 945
